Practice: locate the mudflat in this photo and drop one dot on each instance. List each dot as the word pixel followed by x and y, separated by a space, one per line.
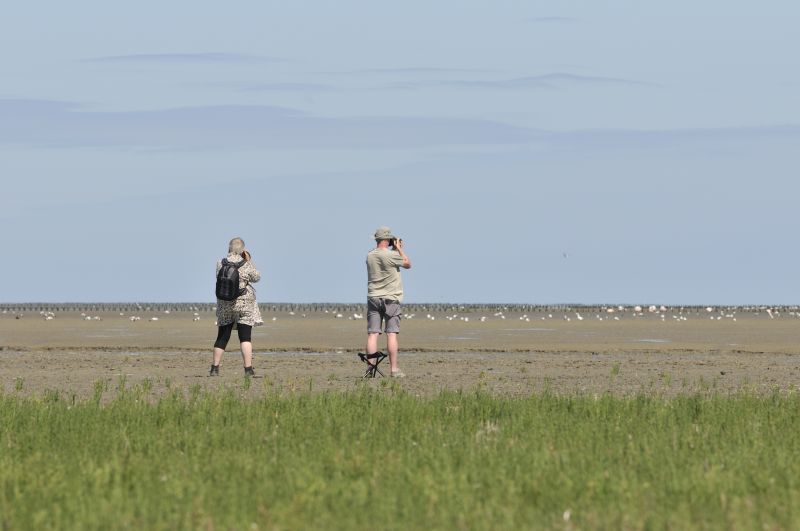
pixel 512 353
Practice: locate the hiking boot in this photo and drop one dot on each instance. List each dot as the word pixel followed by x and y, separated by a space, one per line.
pixel 214 370
pixel 248 371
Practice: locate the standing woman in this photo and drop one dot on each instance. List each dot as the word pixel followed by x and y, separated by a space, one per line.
pixel 242 313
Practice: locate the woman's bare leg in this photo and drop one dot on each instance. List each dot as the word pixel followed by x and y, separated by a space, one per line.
pixel 218 355
pixel 247 353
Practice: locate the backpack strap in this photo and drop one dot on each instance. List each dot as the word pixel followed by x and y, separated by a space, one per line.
pixel 237 265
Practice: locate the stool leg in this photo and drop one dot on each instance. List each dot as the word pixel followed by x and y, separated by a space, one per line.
pixel 378 361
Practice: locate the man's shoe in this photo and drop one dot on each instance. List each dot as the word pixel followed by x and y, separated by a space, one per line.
pixel 214 370
pixel 248 371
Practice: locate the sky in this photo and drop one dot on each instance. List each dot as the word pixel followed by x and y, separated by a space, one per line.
pixel 526 151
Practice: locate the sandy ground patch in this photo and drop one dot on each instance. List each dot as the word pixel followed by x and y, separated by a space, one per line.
pixel 517 355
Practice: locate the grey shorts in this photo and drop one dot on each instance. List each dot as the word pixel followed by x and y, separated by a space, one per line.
pixel 380 311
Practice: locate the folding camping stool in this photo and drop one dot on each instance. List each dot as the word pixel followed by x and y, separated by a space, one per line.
pixel 372 368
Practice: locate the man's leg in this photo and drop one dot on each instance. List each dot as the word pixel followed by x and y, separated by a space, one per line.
pixel 374 326
pixel 372 342
pixel 393 315
pixel 392 346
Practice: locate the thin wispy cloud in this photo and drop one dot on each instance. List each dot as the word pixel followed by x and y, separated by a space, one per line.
pixel 552 20
pixel 286 87
pixel 418 70
pixel 183 58
pixel 547 81
pixel 631 139
pixel 267 86
pixel 33 123
pixel 58 124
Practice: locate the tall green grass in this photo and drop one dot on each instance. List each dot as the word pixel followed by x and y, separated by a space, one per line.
pixel 389 460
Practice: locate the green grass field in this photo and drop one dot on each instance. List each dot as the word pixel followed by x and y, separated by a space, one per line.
pixel 385 459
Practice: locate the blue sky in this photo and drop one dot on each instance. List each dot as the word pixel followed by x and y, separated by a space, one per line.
pixel 533 152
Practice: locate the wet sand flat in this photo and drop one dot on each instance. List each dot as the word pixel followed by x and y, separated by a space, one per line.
pixel 514 355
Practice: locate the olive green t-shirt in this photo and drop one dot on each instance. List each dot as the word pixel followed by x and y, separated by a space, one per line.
pixel 383 274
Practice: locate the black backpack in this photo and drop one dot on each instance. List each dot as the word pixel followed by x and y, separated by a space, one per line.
pixel 228 281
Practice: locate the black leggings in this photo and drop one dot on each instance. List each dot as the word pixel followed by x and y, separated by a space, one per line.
pixel 224 334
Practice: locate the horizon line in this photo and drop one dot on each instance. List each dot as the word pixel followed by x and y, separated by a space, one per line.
pixel 6 305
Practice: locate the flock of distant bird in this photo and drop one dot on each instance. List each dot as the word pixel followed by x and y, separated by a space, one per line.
pixel 613 313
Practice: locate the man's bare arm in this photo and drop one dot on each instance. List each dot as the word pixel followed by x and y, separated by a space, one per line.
pixel 398 244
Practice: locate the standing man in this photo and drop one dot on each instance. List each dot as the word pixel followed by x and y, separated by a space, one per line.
pixel 385 293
